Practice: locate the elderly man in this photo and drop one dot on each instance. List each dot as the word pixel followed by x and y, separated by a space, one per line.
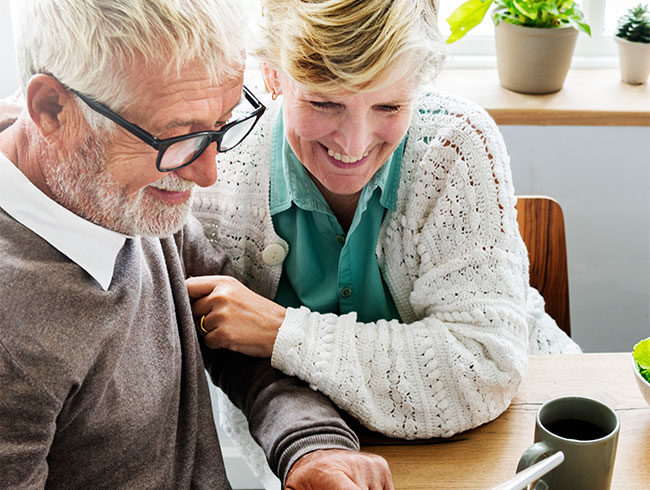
pixel 103 386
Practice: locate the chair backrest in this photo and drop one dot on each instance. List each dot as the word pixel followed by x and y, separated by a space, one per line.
pixel 541 224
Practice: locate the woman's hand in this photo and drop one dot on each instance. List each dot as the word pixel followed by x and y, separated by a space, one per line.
pixel 236 318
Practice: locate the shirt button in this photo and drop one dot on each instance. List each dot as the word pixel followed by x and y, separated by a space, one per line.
pixel 274 254
pixel 346 292
pixel 340 239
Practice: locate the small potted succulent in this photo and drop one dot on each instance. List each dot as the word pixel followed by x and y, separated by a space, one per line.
pixel 633 39
pixel 535 39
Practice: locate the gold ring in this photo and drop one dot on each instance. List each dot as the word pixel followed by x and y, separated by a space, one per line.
pixel 201 325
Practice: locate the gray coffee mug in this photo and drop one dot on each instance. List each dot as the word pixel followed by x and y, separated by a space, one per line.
pixel 586 431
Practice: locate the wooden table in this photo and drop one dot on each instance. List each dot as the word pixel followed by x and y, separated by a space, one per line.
pixel 486 456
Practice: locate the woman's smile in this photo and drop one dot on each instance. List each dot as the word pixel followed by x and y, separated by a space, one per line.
pixel 343 161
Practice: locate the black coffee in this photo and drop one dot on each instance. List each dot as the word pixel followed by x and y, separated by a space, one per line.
pixel 576 429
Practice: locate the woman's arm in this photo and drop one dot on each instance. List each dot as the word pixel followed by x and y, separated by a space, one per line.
pixel 453 251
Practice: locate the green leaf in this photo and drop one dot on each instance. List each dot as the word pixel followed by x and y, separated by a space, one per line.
pixel 579 24
pixel 547 15
pixel 641 353
pixel 551 9
pixel 466 17
pixel 530 13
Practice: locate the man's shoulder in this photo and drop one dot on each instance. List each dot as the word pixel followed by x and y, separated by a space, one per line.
pixel 24 253
pixel 53 315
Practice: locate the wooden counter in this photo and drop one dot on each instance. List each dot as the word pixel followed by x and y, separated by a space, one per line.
pixel 589 98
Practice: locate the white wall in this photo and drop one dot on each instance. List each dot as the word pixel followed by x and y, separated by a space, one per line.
pixel 601 177
pixel 8 78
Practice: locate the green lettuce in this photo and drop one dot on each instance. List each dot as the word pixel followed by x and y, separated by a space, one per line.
pixel 641 354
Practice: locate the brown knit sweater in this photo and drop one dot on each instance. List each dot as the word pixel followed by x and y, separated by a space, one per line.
pixel 106 389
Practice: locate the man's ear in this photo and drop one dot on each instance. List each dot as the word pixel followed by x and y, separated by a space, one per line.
pixel 271 80
pixel 52 108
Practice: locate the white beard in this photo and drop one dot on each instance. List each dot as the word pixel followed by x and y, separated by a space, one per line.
pixel 82 184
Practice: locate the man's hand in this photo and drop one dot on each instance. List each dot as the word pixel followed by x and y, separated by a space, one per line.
pixel 337 469
pixel 236 318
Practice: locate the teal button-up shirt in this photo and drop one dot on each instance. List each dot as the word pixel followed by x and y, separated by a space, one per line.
pixel 327 270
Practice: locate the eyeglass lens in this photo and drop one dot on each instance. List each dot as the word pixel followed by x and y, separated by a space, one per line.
pixel 236 133
pixel 183 152
pixel 188 150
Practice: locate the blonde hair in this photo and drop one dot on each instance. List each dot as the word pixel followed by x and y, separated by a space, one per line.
pixel 357 45
pixel 95 46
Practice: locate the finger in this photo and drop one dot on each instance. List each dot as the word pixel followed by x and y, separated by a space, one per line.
pixel 216 339
pixel 204 327
pixel 200 286
pixel 384 474
pixel 202 306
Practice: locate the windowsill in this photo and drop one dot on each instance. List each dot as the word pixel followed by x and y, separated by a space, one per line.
pixel 590 97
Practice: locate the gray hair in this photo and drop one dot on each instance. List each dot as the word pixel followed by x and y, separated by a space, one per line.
pixel 94 46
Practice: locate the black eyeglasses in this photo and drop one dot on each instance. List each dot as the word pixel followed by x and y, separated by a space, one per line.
pixel 180 151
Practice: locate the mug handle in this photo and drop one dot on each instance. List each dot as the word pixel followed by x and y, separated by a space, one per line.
pixel 532 474
pixel 532 455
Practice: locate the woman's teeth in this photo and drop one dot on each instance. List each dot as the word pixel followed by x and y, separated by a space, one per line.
pixel 345 158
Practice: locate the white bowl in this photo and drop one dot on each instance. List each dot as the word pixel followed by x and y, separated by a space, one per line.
pixel 644 386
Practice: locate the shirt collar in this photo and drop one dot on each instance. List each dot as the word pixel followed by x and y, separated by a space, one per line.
pixel 90 246
pixel 291 183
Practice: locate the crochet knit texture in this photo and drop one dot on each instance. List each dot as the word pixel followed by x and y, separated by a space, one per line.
pixel 454 262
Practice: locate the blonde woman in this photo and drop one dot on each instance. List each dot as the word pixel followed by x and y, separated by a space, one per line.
pixel 374 223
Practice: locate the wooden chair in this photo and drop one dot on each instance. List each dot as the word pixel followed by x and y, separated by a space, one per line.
pixel 541 224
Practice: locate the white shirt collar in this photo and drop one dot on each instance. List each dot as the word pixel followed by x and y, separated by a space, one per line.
pixel 90 246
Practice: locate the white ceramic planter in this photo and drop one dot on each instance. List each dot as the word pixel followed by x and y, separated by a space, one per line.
pixel 533 60
pixel 634 61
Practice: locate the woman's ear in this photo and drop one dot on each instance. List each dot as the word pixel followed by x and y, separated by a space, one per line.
pixel 52 108
pixel 271 80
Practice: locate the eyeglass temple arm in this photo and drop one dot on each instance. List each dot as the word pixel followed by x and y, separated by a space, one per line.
pixel 116 118
pixel 252 99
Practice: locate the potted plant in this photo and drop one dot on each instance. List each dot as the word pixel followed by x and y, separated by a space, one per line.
pixel 633 39
pixel 535 39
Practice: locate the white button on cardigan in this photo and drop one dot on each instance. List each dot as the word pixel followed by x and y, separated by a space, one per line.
pixel 274 254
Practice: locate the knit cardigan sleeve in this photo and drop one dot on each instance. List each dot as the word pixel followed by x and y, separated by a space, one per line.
pixel 453 258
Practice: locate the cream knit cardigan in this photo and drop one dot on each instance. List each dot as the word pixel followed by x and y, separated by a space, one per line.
pixel 455 264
